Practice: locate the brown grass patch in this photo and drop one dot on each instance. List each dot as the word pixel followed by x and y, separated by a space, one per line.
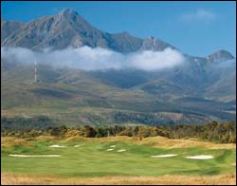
pixel 10 141
pixel 159 141
pixel 16 179
pixel 184 143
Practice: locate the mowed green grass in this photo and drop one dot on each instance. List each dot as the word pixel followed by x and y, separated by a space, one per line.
pixel 91 159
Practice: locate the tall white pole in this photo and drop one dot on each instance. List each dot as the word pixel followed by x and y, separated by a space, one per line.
pixel 35 71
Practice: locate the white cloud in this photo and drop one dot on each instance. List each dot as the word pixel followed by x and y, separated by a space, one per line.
pixel 150 60
pixel 200 15
pixel 17 54
pixel 88 59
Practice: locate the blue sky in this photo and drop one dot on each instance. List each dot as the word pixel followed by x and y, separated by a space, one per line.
pixel 196 28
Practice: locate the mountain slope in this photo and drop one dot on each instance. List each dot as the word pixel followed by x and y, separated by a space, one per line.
pixel 9 27
pixel 75 97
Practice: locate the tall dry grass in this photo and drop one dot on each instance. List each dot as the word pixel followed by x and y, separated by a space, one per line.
pixel 10 141
pixel 157 141
pixel 15 179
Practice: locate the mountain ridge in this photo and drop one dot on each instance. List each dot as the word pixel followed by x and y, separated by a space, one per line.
pixel 48 31
pixel 199 90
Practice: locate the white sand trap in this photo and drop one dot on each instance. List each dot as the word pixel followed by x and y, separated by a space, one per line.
pixel 34 156
pixel 164 156
pixel 77 145
pixel 113 146
pixel 57 146
pixel 121 150
pixel 200 157
pixel 234 164
pixel 109 149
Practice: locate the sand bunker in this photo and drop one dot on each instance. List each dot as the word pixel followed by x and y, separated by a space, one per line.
pixel 109 149
pixel 34 156
pixel 164 156
pixel 113 146
pixel 77 145
pixel 121 150
pixel 200 157
pixel 57 146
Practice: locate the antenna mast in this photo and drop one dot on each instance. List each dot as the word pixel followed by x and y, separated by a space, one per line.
pixel 35 71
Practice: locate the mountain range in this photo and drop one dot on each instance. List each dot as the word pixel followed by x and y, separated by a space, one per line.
pixel 203 89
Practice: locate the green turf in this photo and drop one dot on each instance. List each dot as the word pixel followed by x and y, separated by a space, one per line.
pixel 92 159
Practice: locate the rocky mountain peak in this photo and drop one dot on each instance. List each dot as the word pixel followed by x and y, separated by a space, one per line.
pixel 220 55
pixel 152 43
pixel 68 11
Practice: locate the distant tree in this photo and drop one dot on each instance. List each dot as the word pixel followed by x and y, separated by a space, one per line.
pixel 58 131
pixel 101 132
pixel 89 131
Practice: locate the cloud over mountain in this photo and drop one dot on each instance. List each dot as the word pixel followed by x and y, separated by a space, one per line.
pixel 89 59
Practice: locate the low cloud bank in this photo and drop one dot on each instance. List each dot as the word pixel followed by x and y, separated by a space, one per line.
pixel 90 59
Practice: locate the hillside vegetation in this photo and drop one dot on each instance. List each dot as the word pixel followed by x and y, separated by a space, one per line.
pixel 32 127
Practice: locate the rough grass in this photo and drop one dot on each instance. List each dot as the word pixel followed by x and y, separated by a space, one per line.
pixel 18 179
